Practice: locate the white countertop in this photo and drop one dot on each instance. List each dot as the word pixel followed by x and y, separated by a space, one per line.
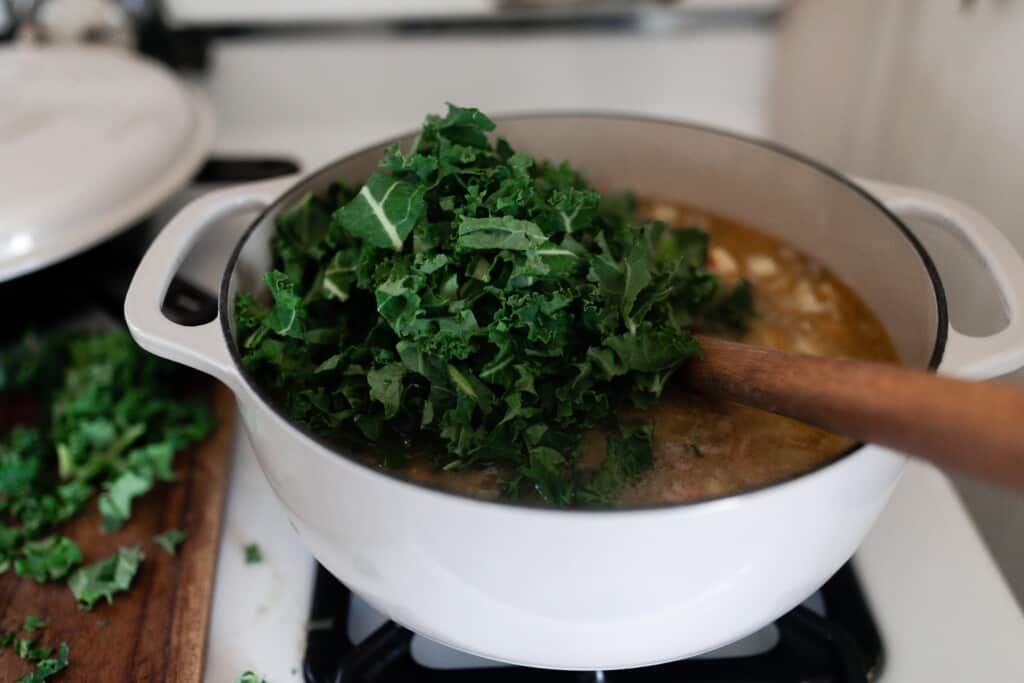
pixel 259 610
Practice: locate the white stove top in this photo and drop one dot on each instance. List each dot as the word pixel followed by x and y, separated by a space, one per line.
pixel 944 611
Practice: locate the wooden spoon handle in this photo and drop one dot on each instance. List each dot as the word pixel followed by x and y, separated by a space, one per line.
pixel 975 427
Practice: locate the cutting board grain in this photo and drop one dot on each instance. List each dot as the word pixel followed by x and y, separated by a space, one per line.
pixel 157 630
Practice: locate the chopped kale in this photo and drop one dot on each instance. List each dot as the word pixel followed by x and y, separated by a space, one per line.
pixel 731 313
pixel 170 540
pixel 47 559
pixel 481 305
pixel 253 554
pixel 250 677
pixel 29 649
pixel 101 580
pixel 627 454
pixel 111 420
pixel 47 666
pixel 34 623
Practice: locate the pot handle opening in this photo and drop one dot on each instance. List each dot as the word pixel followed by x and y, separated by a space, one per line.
pixel 967 355
pixel 201 346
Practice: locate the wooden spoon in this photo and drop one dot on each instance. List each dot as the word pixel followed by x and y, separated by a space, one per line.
pixel 975 427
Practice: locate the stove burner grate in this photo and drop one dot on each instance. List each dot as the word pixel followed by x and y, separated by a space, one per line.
pixel 843 647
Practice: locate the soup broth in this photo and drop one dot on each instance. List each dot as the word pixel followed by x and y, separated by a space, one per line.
pixel 705 448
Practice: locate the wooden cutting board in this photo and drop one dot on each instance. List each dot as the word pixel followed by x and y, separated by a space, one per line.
pixel 156 631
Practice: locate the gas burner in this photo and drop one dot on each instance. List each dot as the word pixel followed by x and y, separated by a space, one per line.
pixel 831 638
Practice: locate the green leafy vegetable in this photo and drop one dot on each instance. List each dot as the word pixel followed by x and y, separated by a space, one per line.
pixel 116 503
pixel 110 418
pixel 28 649
pixel 496 234
pixel 113 420
pixel 101 580
pixel 384 212
pixel 731 313
pixel 170 540
pixel 48 666
pixel 34 366
pixel 47 559
pixel 34 623
pixel 253 554
pixel 627 454
pixel 250 677
pixel 475 303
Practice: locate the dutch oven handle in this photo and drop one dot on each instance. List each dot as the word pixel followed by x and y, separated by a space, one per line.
pixel 201 346
pixel 966 355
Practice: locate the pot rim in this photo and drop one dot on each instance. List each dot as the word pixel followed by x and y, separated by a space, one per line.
pixel 336 451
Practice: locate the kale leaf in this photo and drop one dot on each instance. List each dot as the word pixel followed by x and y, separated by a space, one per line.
pixel 250 677
pixel 28 649
pixel 170 540
pixel 475 303
pixel 731 313
pixel 34 623
pixel 253 554
pixel 384 212
pixel 47 559
pixel 48 666
pixel 627 454
pixel 102 579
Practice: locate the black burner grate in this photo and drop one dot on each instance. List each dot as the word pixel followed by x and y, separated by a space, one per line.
pixel 843 648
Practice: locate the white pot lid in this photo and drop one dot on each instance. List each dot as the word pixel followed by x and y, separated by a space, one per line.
pixel 91 140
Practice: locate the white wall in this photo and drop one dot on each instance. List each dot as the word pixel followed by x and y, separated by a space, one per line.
pixel 321 97
pixel 927 93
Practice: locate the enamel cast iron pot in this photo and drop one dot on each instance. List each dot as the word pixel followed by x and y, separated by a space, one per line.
pixel 578 589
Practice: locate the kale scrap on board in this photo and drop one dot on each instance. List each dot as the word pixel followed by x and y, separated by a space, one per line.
pixel 170 540
pixel 47 663
pixel 101 580
pixel 475 303
pixel 111 422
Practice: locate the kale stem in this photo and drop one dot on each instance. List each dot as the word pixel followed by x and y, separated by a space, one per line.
pixel 100 461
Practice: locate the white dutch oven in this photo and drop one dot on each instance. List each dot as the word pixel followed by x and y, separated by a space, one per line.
pixel 602 589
